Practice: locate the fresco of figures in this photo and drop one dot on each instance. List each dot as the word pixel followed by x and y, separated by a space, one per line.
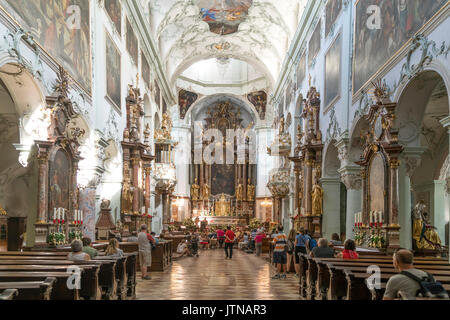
pixel 185 101
pixel 333 10
pixel 401 20
pixel 224 17
pixel 259 100
pixel 145 69
pixel 52 24
pixel 113 75
pixel 114 10
pixel 333 72
pixel 314 43
pixel 132 43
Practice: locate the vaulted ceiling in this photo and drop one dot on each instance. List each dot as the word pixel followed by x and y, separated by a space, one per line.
pixel 255 31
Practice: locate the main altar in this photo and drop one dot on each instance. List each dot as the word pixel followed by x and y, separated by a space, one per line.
pixel 223 192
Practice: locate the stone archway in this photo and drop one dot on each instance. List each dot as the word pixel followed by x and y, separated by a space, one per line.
pixel 423 120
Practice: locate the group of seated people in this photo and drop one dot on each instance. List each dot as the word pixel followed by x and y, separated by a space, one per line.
pixel 189 247
pixel 82 250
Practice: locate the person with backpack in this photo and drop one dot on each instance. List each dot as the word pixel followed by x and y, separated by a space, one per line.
pixel 300 247
pixel 312 243
pixel 279 253
pixel 411 282
pixel 290 246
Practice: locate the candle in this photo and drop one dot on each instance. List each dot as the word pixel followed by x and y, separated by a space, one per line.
pixel 381 217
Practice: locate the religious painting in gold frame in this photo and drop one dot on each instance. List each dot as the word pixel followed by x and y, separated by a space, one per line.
pixel 314 43
pixel 377 183
pixel 59 180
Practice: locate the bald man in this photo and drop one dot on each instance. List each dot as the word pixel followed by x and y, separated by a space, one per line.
pixel 403 261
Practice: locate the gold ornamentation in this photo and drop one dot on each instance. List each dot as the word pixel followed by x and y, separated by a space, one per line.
pixel 206 191
pixel 250 191
pixel 127 198
pixel 394 163
pixel 195 191
pixel 317 200
pixel 3 212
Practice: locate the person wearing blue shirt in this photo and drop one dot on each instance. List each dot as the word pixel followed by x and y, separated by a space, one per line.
pixel 301 242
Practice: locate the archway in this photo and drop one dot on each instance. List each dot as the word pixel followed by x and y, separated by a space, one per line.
pixel 335 194
pixel 22 120
pixel 422 113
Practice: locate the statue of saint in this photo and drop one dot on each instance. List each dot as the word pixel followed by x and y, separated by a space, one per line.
pixel 206 192
pixel 282 126
pixel 250 191
pixel 424 234
pixel 127 198
pixel 317 200
pixel 195 190
pixel 222 207
pixel 240 192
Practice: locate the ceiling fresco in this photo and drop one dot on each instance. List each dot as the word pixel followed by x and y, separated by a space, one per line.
pixel 224 16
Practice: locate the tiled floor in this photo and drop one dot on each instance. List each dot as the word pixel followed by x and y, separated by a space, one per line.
pixel 211 277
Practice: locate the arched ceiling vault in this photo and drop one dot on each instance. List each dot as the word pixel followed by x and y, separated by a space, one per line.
pixel 256 31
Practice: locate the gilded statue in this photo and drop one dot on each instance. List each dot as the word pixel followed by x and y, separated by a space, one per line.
pixel 317 200
pixel 206 191
pixel 127 198
pixel 250 191
pixel 240 192
pixel 282 126
pixel 165 133
pixel 222 207
pixel 195 190
pixel 424 234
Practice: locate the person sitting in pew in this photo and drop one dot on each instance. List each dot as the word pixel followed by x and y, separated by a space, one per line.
pixel 335 241
pixel 87 248
pixel 349 250
pixel 403 262
pixel 133 237
pixel 113 249
pixel 77 253
pixel 183 249
pixel 323 250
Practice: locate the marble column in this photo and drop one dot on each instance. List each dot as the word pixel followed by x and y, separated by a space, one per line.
pixel 351 177
pixel 331 221
pixel 147 188
pixel 308 185
pixel 393 194
pixel 136 167
pixel 446 124
pixel 245 181
pixel 410 161
pixel 43 190
pixel 296 191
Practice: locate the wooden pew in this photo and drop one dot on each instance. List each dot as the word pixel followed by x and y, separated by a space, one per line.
pixel 120 274
pixel 60 290
pixel 106 279
pixel 9 294
pixel 318 275
pixel 33 290
pixel 357 288
pixel 303 269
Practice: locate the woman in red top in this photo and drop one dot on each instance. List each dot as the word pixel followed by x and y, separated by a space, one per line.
pixel 349 250
pixel 229 242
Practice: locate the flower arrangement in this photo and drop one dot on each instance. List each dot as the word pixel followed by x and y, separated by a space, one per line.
pixel 56 238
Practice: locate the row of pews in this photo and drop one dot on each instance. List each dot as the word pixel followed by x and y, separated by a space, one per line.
pixel 336 279
pixel 44 276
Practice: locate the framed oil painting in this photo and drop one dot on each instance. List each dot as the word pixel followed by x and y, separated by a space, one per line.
pixel 59 181
pixel 333 10
pixel 373 47
pixel 69 45
pixel 132 43
pixel 185 101
pixel 145 69
pixel 113 72
pixel 301 70
pixel 114 10
pixel 333 73
pixel 223 179
pixel 259 100
pixel 289 94
pixel 314 43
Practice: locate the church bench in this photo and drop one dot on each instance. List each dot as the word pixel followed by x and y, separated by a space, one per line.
pixel 89 279
pixel 317 275
pixel 60 290
pixel 337 281
pixel 303 268
pixel 32 290
pixel 8 294
pixel 106 274
pixel 377 294
pixel 357 288
pixel 31 253
pixel 120 271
